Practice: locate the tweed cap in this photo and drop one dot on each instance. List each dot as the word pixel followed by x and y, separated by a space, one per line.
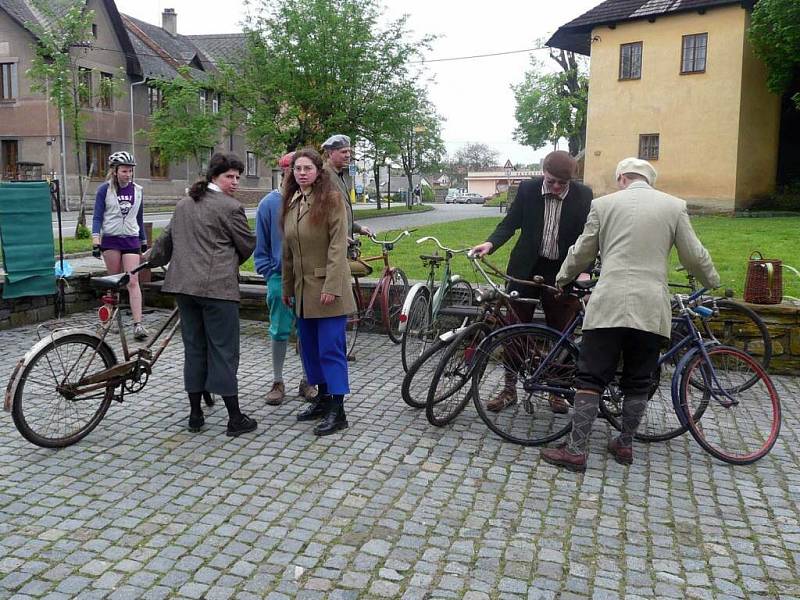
pixel 638 166
pixel 560 164
pixel 285 161
pixel 335 142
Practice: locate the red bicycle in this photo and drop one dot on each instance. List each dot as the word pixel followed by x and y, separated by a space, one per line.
pixel 390 292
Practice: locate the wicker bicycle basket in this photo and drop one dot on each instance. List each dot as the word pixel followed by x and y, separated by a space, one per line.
pixel 764 282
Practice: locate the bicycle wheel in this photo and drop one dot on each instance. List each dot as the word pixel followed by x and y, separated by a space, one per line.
pixel 451 387
pixel 506 388
pixel 418 334
pixel 660 421
pixel 351 329
pixel 459 293
pixel 46 410
pixel 736 322
pixel 742 418
pixel 392 303
pixel 418 379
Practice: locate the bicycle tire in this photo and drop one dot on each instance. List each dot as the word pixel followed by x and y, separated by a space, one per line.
pixel 394 293
pixel 660 421
pixel 351 328
pixel 450 388
pixel 520 351
pixel 735 321
pixel 417 381
pixel 37 405
pixel 735 422
pixel 417 335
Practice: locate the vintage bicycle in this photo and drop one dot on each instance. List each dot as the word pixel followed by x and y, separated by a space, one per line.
pixel 63 386
pixel 426 312
pixel 389 293
pixel 721 394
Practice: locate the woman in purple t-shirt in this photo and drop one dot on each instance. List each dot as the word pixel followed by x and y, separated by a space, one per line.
pixel 118 229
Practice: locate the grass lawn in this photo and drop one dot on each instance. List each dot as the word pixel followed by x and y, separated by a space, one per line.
pixel 729 241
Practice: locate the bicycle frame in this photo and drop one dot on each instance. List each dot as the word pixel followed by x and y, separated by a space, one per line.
pixel 385 279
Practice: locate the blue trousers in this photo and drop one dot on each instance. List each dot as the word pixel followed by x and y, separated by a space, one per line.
pixel 323 349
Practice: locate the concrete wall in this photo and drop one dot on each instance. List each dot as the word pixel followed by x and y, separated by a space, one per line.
pixel 759 131
pixel 697 115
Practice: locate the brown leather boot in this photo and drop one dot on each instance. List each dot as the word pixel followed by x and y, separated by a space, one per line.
pixel 622 454
pixel 276 395
pixel 561 457
pixel 507 396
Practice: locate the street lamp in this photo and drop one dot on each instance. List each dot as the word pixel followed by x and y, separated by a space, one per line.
pixel 411 164
pixel 388 162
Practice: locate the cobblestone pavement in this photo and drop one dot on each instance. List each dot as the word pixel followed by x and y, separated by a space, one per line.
pixel 392 507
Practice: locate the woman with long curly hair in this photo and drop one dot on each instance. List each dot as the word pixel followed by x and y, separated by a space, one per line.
pixel 316 283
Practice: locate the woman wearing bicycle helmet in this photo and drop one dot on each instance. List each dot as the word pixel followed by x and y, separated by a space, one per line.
pixel 118 228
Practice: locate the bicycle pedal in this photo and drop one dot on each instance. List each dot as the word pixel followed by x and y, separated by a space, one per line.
pixel 119 398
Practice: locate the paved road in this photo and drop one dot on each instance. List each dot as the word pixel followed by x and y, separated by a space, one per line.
pixel 390 508
pixel 441 213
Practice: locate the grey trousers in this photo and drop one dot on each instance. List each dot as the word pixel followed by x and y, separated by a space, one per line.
pixel 210 332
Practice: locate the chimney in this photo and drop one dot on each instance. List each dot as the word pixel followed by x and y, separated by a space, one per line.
pixel 169 21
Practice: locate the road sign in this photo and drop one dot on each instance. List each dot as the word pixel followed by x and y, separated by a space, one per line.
pixel 353 169
pixel 508 164
pixel 359 188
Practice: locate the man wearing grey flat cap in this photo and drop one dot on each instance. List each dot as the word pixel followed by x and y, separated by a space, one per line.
pixel 337 160
pixel 629 314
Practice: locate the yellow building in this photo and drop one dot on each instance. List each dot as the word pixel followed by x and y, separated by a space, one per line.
pixel 676 82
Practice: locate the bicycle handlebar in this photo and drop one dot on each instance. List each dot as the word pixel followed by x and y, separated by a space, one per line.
pixel 445 248
pixel 402 234
pixel 538 280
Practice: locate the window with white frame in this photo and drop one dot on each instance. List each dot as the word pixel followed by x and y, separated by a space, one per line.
pixel 8 82
pixel 252 164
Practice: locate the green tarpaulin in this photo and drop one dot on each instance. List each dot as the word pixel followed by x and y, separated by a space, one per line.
pixel 26 234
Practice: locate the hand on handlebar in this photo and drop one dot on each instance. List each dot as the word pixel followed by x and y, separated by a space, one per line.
pixel 481 249
pixel 366 231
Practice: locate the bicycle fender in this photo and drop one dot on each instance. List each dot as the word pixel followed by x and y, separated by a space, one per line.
pixel 675 387
pixel 412 293
pixel 11 389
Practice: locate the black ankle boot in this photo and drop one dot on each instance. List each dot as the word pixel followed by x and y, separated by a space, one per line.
pixel 196 422
pixel 317 410
pixel 196 419
pixel 243 424
pixel 334 420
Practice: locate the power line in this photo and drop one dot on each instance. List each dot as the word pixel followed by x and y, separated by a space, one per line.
pixel 423 61
pixel 473 56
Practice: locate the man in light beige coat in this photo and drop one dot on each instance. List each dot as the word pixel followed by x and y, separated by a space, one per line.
pixel 629 313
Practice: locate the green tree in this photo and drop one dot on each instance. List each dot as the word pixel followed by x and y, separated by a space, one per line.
pixel 421 145
pixel 185 125
pixel 316 67
pixel 775 35
pixel 55 72
pixel 552 105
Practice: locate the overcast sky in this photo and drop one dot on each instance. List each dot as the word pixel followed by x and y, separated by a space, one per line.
pixel 474 94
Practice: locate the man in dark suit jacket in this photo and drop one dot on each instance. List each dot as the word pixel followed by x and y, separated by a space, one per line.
pixel 551 212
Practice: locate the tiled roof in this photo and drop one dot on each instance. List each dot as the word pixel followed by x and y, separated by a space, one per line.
pixel 574 35
pixel 19 11
pixel 221 47
pixel 178 47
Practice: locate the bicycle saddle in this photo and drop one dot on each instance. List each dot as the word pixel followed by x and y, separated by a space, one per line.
pixel 434 258
pixel 585 285
pixel 112 281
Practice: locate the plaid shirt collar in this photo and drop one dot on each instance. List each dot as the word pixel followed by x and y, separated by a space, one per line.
pixel 547 193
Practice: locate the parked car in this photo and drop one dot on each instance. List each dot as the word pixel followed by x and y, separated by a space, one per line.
pixel 451 196
pixel 470 198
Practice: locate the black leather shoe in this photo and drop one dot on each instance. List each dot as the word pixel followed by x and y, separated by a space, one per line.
pixel 334 421
pixel 317 410
pixel 196 422
pixel 242 425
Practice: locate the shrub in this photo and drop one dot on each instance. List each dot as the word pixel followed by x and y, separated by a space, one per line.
pixel 82 232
